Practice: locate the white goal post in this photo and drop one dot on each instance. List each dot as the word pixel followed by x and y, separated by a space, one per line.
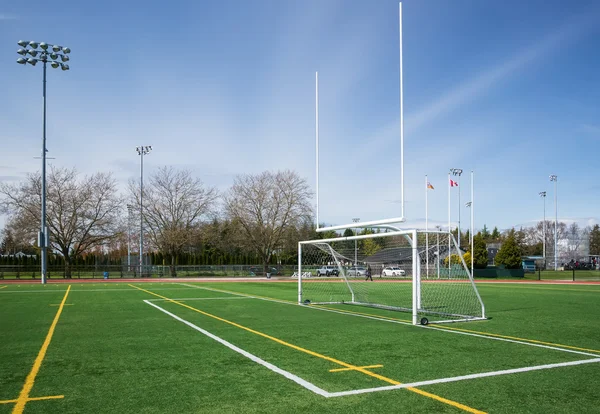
pixel 421 272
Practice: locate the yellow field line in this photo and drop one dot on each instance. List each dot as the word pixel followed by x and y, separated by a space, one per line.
pixel 58 304
pixel 2 287
pixel 315 354
pixel 51 397
pixel 24 395
pixel 352 369
pixel 433 325
pixel 463 330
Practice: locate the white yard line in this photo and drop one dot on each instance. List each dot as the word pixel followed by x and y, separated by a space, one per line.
pixel 248 355
pixel 315 307
pixel 464 377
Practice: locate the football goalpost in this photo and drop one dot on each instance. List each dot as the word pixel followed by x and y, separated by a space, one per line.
pixel 428 279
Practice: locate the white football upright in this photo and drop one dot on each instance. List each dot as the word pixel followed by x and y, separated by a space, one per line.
pixel 438 292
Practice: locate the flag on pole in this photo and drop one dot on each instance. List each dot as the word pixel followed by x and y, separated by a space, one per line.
pixel 453 183
pixel 430 186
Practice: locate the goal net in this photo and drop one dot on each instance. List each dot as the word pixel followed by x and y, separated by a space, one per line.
pixel 415 271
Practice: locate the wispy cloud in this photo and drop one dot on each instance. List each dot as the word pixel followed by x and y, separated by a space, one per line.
pixel 590 129
pixel 474 88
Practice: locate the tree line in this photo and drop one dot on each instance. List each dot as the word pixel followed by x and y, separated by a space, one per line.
pixel 260 217
pixel 258 220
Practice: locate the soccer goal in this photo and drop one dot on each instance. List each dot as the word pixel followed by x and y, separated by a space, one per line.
pixel 415 271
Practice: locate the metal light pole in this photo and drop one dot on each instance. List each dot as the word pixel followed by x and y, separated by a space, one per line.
pixel 458 172
pixel 555 179
pixel 129 208
pixel 143 150
pixel 543 195
pixel 56 52
pixel 355 220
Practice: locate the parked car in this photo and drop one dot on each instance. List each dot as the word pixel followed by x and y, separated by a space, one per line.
pixel 392 271
pixel 328 271
pixel 356 271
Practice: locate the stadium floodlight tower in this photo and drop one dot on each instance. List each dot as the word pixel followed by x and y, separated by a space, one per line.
pixel 57 56
pixel 554 178
pixel 458 172
pixel 543 195
pixel 142 150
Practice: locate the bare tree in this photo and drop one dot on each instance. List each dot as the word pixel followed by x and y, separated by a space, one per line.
pixel 536 235
pixel 81 214
pixel 577 241
pixel 175 203
pixel 267 205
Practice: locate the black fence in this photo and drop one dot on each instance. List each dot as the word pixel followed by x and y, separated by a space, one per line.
pixel 128 272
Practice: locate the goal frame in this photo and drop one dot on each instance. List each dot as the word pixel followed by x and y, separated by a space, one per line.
pixel 411 237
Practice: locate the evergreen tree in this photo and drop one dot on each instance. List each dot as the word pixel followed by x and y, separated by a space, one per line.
pixel 485 233
pixel 510 253
pixel 480 259
pixel 348 233
pixel 370 247
pixel 595 240
pixel 495 234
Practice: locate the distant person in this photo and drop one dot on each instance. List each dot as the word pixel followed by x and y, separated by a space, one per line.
pixel 368 273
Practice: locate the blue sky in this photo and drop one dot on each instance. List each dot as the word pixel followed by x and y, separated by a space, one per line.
pixel 508 89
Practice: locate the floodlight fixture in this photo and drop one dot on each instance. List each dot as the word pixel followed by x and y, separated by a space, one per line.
pixel 34 44
pixel 22 52
pixel 66 50
pixel 64 58
pixel 32 52
pixel 143 150
pixel 64 67
pixel 53 56
pixel 32 61
pixel 468 204
pixel 23 43
pixel 54 64
pixel 21 61
pixel 56 48
pixel 44 45
pixel 542 194
pixel 553 177
pixel 457 172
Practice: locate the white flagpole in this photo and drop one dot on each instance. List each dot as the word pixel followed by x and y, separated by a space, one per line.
pixel 401 112
pixel 426 225
pixel 449 226
pixel 472 225
pixel 317 139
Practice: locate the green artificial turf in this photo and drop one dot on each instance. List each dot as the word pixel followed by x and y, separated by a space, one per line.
pixel 113 352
